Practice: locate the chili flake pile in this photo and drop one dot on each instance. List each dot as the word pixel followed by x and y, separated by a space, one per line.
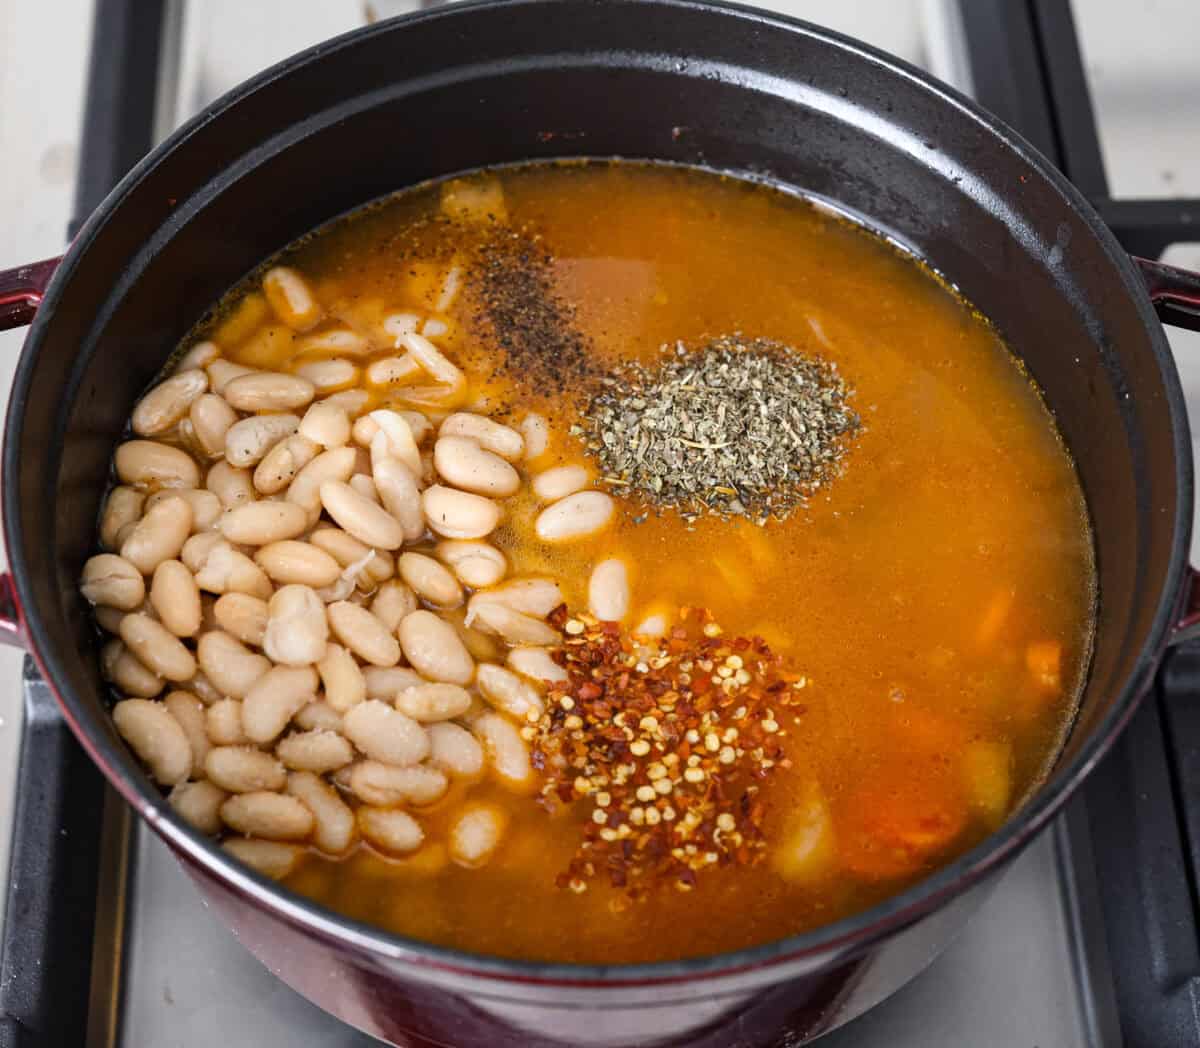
pixel 667 742
pixel 735 428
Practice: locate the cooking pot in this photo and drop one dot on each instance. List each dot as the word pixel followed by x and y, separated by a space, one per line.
pixel 492 83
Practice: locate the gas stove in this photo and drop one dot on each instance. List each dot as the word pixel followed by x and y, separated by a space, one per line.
pixel 1091 939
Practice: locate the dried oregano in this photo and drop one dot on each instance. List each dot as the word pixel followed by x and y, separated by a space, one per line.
pixel 734 428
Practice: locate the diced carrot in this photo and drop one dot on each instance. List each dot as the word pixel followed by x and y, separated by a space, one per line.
pixel 1044 660
pixel 994 617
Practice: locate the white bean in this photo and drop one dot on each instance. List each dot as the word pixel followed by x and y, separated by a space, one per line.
pixel 399 324
pixel 318 716
pixel 261 523
pixel 326 424
pixel 126 671
pixel 365 486
pixel 297 629
pixel 203 689
pixel 175 598
pixel 269 391
pixel 335 340
pixel 477 564
pixel 433 702
pixel 507 692
pixel 390 830
pixel 290 298
pixel 385 785
pixel 228 664
pixel 575 517
pixel 363 634
pixel 317 751
pixel 150 464
pixel 536 664
pixel 532 595
pixel 243 769
pixel 189 712
pixel 362 518
pixel 374 565
pixel 113 582
pixel 476 833
pixel 506 751
pixel 296 562
pixel 156 737
pixel 199 805
pixel 398 491
pixel 514 626
pixel 608 591
pixel 393 370
pixel 206 507
pixel 157 648
pixel 272 859
pixel 223 723
pixel 211 418
pixel 455 750
pixel 271 816
pixel 280 465
pixel 466 465
pixel 352 401
pixel 434 649
pixel 386 682
pixel 385 734
pixel 654 625
pixel 399 440
pixel 221 372
pixel 168 402
pixel 122 509
pixel 249 440
pixel 457 514
pixel 559 482
pixel 430 580
pixel 274 699
pixel 536 431
pixel 393 601
pixel 335 464
pixel 433 360
pixel 219 568
pixel 328 376
pixel 231 485
pixel 242 615
pixel 333 821
pixel 159 535
pixel 499 439
pixel 199 356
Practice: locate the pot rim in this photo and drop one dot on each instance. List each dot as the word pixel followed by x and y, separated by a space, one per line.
pixel 850 934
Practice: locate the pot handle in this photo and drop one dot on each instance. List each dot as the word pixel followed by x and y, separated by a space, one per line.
pixel 1175 292
pixel 21 291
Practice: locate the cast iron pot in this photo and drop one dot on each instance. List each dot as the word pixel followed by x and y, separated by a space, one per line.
pixel 729 88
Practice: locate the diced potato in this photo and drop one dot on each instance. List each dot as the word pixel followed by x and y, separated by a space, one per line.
pixel 988 777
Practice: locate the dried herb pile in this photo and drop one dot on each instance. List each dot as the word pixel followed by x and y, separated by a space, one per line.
pixel 667 743
pixel 736 428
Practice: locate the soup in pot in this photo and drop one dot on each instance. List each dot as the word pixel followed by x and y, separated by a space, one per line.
pixel 594 562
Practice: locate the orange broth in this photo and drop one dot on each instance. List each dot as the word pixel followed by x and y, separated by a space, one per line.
pixel 938 595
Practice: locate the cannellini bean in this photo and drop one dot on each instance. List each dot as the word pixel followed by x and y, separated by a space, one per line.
pixel 559 482
pixel 196 550
pixel 168 402
pixel 333 821
pixel 420 425
pixel 385 734
pixel 466 465
pixel 536 432
pixel 206 507
pixel 386 682
pixel 608 591
pixel 514 626
pixel 126 671
pixel 199 805
pixel 476 833
pixel 506 751
pixel 499 439
pixel 398 491
pixel 203 689
pixel 430 580
pixel 318 716
pixel 532 595
pixel 243 769
pixel 335 464
pixel 156 737
pixel 243 616
pixel 229 664
pixel 175 598
pixel 575 517
pixel 122 508
pixel 189 712
pixel 507 692
pixel 112 581
pixel 199 356
pixel 269 391
pixel 477 564
pixel 335 340
pixel 290 298
pixel 393 601
pixel 373 565
pixel 806 848
pixel 108 619
pixel 482 646
pixel 362 518
pixel 222 569
pixel 296 627
pixel 390 830
pixel 159 535
pixel 330 375
pixel 537 664
pixel 363 634
pixel 457 514
pixel 342 678
pixel 399 324
pixel 302 563
pixel 157 648
pixel 399 440
pixel 352 401
pixel 150 464
pixel 326 424
pixel 233 486
pixel 393 370
pixel 365 486
pixel 223 723
pixel 261 523
pixel 364 430
pixel 385 785
pixel 654 625
pixel 250 439
pixel 434 702
pixel 434 649
pixel 432 360
pixel 455 750
pixel 272 859
pixel 317 751
pixel 280 465
pixel 221 372
pixel 274 699
pixel 211 418
pixel 271 816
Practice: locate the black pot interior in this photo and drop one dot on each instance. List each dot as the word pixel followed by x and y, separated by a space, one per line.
pixel 405 102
